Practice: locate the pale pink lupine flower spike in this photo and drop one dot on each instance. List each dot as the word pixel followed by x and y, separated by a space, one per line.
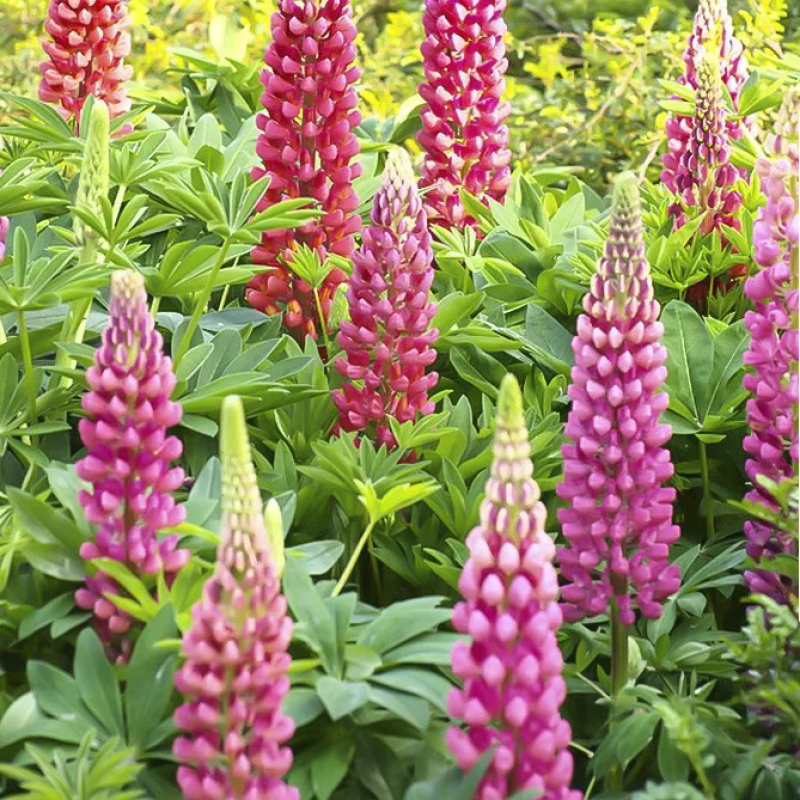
pixel 511 664
pixel 88 44
pixel 234 678
pixel 128 455
pixel 773 354
pixel 618 514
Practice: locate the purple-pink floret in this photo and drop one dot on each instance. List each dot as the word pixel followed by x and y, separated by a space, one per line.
pixel 511 664
pixel 773 352
pixel 234 677
pixel 129 454
pixel 5 224
pixel 706 135
pixel 464 136
pixel 388 341
pixel 618 514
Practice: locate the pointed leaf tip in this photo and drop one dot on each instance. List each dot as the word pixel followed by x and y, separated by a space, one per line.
pixel 234 441
pixel 509 402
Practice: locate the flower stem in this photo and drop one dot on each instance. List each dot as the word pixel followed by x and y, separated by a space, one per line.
pixel 619 678
pixel 351 564
pixel 706 491
pixel 27 361
pixel 201 303
pixel 323 324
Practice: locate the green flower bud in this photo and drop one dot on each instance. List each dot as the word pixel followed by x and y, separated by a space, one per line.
pixel 94 179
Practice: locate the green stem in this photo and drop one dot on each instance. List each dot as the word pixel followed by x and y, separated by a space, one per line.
pixel 619 678
pixel 118 203
pixel 201 303
pixel 351 564
pixel 224 298
pixel 706 491
pixel 27 360
pixel 154 306
pixel 323 323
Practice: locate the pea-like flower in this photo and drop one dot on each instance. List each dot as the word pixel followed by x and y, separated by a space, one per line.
pixel 234 678
pixel 773 353
pixel 463 136
pixel 618 514
pixel 511 664
pixel 129 455
pixel 388 341
pixel 307 146
pixel 88 44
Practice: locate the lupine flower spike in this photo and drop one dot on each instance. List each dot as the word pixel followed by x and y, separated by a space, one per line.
pixel 234 678
pixel 708 133
pixel 307 146
pixel 388 341
pixel 618 514
pixel 511 665
pixel 773 353
pixel 464 138
pixel 128 456
pixel 87 48
pixel 704 178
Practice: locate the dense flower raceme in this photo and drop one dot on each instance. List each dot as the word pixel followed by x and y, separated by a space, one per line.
pixel 128 455
pixel 773 353
pixel 464 138
pixel 87 49
pixel 511 665
pixel 388 341
pixel 704 179
pixel 618 517
pixel 704 134
pixel 307 146
pixel 234 678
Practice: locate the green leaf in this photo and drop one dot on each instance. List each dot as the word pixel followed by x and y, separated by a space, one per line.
pixel 412 709
pixel 150 679
pixel 57 694
pixel 57 608
pixel 330 765
pixel 402 621
pixel 626 739
pixel 97 683
pixel 302 705
pixel 690 358
pixel 549 341
pixel 341 698
pixel 429 685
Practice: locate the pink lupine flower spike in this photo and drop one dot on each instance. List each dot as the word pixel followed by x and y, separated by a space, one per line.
pixel 234 678
pixel 511 664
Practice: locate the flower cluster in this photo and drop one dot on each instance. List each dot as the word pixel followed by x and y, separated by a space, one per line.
pixel 129 454
pixel 307 146
pixel 87 49
pixel 773 353
pixel 234 677
pixel 5 224
pixel 698 146
pixel 464 138
pixel 388 341
pixel 511 666
pixel 618 517
pixel 703 177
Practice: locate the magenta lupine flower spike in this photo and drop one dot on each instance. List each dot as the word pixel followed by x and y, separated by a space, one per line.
pixel 464 138
pixel 88 45
pixel 308 146
pixel 388 341
pixel 129 453
pixel 511 665
pixel 773 352
pixel 234 678
pixel 705 177
pixel 712 33
pixel 618 515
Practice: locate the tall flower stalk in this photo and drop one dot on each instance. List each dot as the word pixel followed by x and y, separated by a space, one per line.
pixel 307 147
pixel 511 664
pixel 129 455
pixel 234 678
pixel 93 187
pixel 618 514
pixel 388 341
pixel 713 37
pixel 87 48
pixel 463 136
pixel 772 443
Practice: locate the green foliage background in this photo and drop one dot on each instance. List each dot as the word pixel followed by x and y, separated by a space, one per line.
pixel 582 74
